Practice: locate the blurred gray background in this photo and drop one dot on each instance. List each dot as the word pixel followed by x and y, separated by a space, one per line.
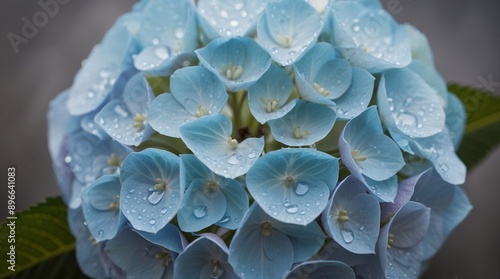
pixel 464 36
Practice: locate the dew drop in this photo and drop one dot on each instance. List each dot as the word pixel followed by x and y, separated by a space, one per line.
pixel 301 189
pixel 292 209
pixel 163 210
pixel 347 235
pixel 155 197
pixel 200 211
pixel 233 159
pixel 225 219
pixel 139 217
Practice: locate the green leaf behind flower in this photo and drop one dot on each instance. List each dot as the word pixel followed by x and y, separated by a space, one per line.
pixel 42 236
pixel 482 130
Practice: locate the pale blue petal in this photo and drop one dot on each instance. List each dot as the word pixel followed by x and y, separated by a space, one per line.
pixel 332 251
pixel 431 76
pixel 404 193
pixel 322 270
pixel 228 18
pixel 196 260
pixel 305 124
pixel 96 78
pixel 195 86
pixel 287 29
pixel 201 207
pixel 410 224
pixel 357 97
pixel 237 204
pixel 358 234
pixel 455 119
pixel 364 134
pixel 147 208
pixel 267 98
pixel 192 168
pixel 220 54
pixel 408 103
pixel 310 172
pixel 135 255
pixel 374 41
pixel 88 124
pixel 166 115
pixel 209 137
pixel 321 68
pixel 384 190
pixel 169 237
pixel 256 256
pixel 306 240
pixel 420 48
pixel 103 221
pixel 171 24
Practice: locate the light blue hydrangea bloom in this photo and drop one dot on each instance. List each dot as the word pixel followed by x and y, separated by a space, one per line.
pixel 369 37
pixel 145 255
pixel 352 217
pixel 168 34
pixel 321 269
pixel 449 206
pixel 210 140
pixel 195 92
pixel 206 257
pixel 268 97
pixel 323 77
pixel 287 29
pixel 266 248
pixel 306 124
pixel 98 75
pixel 237 61
pixel 293 185
pixel 209 198
pixel 125 118
pixel 101 207
pixel 229 18
pixel 398 253
pixel 151 194
pixel 370 155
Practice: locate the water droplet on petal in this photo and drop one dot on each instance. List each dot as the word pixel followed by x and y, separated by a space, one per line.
pixel 233 159
pixel 155 197
pixel 200 211
pixel 292 209
pixel 152 221
pixel 347 235
pixel 301 189
pixel 163 210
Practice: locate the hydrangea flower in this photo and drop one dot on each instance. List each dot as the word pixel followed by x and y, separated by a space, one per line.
pixel 267 96
pixel 206 257
pixel 264 247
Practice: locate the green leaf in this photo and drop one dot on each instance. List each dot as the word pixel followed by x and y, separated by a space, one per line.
pixel 482 130
pixel 60 267
pixel 41 233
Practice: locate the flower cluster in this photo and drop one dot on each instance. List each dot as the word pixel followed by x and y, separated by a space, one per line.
pixel 259 139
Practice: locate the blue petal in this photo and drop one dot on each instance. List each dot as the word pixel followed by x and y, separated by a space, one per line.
pixel 321 270
pixel 410 224
pixel 237 204
pixel 420 48
pixel 455 119
pixel 197 261
pixel 171 24
pixel 366 150
pixel 254 255
pixel 101 209
pixel 160 61
pixel 431 76
pixel 306 240
pixel 146 207
pixel 406 102
pixel 305 124
pixel 210 140
pixel 384 190
pixel 293 185
pixel 97 76
pixel 449 206
pixel 404 193
pixel 321 65
pixel 169 237
pixel 88 124
pixel 238 61
pixel 136 256
pixel 228 18
pixel 355 100
pixel 359 233
pixel 167 115
pixel 192 168
pixel 201 207
pixel 374 41
pixel 267 98
pixel 118 117
pixel 287 29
